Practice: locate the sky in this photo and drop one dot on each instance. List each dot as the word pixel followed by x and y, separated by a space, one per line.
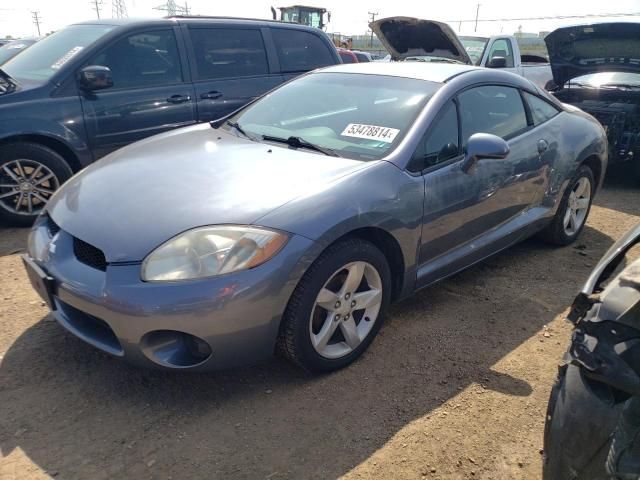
pixel 348 18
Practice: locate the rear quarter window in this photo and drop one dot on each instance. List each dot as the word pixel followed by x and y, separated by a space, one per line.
pixel 300 51
pixel 541 111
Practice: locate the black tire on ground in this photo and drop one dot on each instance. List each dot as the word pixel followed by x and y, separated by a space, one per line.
pixel 33 152
pixel 555 233
pixel 294 340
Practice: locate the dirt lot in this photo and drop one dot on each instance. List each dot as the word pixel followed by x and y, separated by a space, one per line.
pixel 455 386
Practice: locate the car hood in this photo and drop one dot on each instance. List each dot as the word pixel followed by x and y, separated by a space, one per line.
pixel 411 37
pixel 602 47
pixel 142 195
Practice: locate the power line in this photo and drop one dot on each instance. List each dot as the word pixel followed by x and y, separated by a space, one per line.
pixel 96 5
pixel 35 15
pixel 557 17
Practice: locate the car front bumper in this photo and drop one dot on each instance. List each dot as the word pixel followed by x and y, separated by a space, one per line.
pixel 206 324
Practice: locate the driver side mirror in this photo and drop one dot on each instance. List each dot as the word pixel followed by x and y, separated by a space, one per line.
pixel 483 145
pixel 95 77
pixel 497 62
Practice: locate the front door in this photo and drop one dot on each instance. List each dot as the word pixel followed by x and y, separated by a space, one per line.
pixel 149 93
pixel 468 216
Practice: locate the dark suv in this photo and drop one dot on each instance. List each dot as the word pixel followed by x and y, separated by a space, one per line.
pixel 94 87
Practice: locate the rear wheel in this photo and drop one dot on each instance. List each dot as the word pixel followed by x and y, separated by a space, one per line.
pixel 29 175
pixel 337 308
pixel 573 210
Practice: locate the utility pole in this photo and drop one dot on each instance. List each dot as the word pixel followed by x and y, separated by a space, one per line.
pixel 475 29
pixel 372 17
pixel 118 9
pixel 96 5
pixel 35 14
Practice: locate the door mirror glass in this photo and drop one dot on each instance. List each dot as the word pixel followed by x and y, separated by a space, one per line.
pixel 483 145
pixel 95 77
pixel 497 62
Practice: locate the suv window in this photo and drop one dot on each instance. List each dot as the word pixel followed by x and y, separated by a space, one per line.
pixel 228 52
pixel 142 60
pixel 441 142
pixel 300 51
pixel 502 48
pixel 541 111
pixel 492 109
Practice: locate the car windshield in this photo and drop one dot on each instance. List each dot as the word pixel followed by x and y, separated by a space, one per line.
pixel 601 79
pixel 43 59
pixel 474 47
pixel 354 115
pixel 11 49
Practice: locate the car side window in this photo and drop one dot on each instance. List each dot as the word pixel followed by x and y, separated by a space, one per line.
pixel 502 48
pixel 300 51
pixel 441 142
pixel 228 53
pixel 142 60
pixel 491 109
pixel 541 111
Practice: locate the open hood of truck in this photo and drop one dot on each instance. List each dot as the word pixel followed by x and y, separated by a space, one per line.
pixel 601 47
pixel 409 37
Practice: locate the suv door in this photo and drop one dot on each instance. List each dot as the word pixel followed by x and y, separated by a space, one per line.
pixel 468 216
pixel 300 51
pixel 230 68
pixel 150 93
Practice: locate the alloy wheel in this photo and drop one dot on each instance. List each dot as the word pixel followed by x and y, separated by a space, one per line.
pixel 26 186
pixel 345 310
pixel 577 206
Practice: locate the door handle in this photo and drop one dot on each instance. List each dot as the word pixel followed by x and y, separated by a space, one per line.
pixel 543 145
pixel 178 98
pixel 212 95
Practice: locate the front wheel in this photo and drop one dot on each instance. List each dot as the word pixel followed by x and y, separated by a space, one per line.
pixel 573 210
pixel 29 175
pixel 337 308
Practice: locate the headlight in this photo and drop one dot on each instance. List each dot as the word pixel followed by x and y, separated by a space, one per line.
pixel 209 251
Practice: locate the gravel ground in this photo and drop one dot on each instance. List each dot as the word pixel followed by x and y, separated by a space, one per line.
pixel 455 386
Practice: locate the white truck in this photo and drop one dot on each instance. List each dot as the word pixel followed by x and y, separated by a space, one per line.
pixel 414 39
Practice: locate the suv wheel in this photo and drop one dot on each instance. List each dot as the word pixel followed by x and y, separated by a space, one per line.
pixel 29 175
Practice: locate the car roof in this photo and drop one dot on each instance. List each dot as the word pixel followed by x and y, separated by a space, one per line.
pixel 432 72
pixel 127 22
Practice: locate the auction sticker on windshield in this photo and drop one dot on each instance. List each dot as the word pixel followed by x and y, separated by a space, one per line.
pixel 371 132
pixel 66 57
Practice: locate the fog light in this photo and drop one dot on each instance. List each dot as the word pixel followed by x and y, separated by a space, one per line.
pixel 175 349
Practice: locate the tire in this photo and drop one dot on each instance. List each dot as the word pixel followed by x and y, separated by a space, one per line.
pixel 556 232
pixel 305 319
pixel 20 207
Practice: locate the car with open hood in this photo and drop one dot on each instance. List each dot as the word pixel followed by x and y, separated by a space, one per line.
pixel 415 39
pixel 293 223
pixel 596 67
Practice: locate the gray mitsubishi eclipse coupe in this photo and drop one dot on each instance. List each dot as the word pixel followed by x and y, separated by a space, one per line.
pixel 293 223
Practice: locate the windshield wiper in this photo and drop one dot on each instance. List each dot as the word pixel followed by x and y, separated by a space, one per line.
pixel 619 85
pixel 297 142
pixel 9 84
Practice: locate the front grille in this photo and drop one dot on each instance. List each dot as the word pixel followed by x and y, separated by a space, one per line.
pixel 52 226
pixel 89 255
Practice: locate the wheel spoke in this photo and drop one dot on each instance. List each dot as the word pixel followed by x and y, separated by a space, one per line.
pixel 29 203
pixel 9 194
pixel 574 221
pixel 35 173
pixel 354 278
pixel 46 191
pixel 12 174
pixel 567 218
pixel 19 202
pixel 40 181
pixel 8 185
pixel 367 299
pixel 583 184
pixel 321 339
pixel 39 197
pixel 582 203
pixel 327 299
pixel 350 332
pixel 21 171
